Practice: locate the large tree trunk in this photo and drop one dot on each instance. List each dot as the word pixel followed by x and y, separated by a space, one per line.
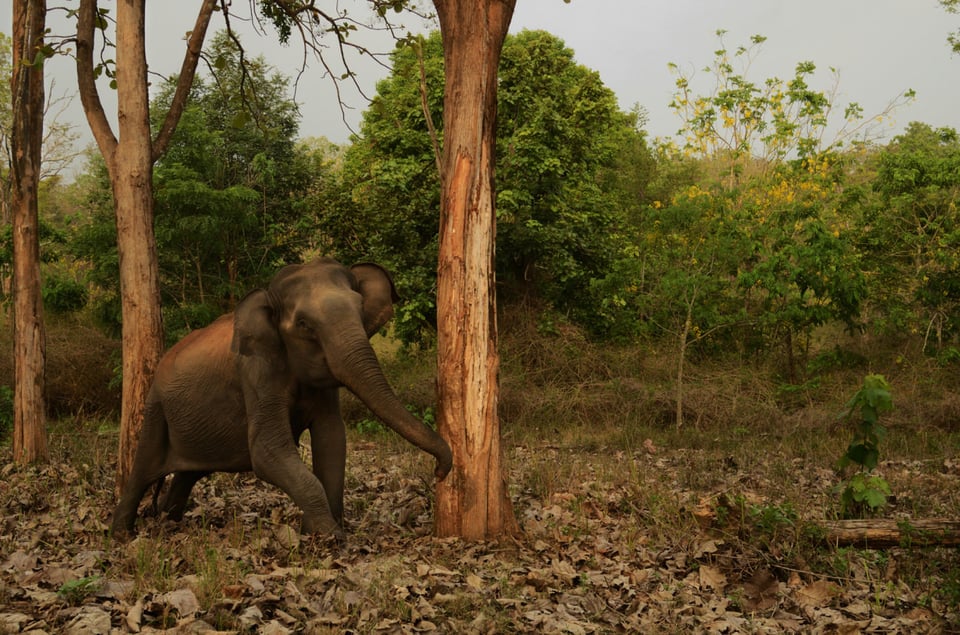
pixel 29 426
pixel 473 501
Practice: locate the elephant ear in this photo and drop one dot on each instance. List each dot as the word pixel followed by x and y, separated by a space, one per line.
pixel 379 294
pixel 254 329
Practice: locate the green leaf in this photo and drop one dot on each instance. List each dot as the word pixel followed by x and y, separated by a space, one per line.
pixel 874 498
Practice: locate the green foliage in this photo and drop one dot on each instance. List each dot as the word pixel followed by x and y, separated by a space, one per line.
pixel 559 137
pixel 559 132
pixel 864 492
pixel 74 592
pixel 953 6
pixel 63 294
pixel 370 427
pixel 229 194
pixel 910 236
pixel 752 246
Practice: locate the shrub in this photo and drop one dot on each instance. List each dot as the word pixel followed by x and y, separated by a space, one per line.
pixel 62 294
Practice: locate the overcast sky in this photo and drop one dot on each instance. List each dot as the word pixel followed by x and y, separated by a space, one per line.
pixel 879 47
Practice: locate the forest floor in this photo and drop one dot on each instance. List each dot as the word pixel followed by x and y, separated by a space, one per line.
pixel 674 533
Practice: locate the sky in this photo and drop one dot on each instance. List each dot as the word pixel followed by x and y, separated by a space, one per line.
pixel 879 48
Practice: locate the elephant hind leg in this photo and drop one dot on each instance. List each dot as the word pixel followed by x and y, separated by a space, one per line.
pixel 149 466
pixel 175 502
pixel 125 514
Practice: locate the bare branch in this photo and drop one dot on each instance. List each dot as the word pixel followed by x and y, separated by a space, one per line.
pixel 86 81
pixel 59 139
pixel 425 105
pixel 185 80
pixel 313 23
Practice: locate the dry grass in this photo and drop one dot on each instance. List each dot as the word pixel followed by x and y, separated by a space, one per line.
pixel 81 366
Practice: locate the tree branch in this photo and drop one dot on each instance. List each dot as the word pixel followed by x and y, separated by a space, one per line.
pixel 425 105
pixel 312 23
pixel 86 80
pixel 185 80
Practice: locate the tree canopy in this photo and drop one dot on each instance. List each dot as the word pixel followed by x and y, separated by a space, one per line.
pixel 560 134
pixel 230 192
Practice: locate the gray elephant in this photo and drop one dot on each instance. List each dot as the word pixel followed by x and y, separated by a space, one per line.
pixel 237 395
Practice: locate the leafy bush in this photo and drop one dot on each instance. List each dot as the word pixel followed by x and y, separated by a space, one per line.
pixel 63 294
pixel 559 203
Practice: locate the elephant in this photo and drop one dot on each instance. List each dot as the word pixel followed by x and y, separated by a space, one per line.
pixel 237 395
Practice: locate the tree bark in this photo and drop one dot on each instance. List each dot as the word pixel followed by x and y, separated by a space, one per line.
pixel 27 92
pixel 883 532
pixel 473 501
pixel 129 158
pixel 131 178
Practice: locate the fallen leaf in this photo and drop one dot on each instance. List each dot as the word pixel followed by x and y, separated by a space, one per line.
pixel 89 621
pixel 760 591
pixel 134 617
pixel 712 578
pixel 183 601
pixel 817 594
pixel 474 582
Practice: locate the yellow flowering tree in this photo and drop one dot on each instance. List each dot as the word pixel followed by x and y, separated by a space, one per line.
pixel 757 254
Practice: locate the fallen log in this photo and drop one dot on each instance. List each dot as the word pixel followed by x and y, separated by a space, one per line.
pixel 885 532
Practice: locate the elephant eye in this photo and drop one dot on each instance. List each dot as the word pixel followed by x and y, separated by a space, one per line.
pixel 304 326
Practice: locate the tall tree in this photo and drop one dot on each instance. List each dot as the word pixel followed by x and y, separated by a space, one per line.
pixel 229 194
pixel 129 157
pixel 27 96
pixel 473 501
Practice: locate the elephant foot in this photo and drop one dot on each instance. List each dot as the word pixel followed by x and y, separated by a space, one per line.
pixel 120 530
pixel 174 509
pixel 322 527
pixel 324 543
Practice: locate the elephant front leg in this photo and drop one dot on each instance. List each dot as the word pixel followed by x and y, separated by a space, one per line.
pixel 276 461
pixel 328 445
pixel 329 448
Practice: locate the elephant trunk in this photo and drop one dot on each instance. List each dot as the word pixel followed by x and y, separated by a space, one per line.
pixel 356 366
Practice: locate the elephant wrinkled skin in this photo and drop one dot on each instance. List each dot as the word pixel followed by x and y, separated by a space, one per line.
pixel 237 395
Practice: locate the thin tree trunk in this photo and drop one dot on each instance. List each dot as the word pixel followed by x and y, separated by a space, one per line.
pixel 681 359
pixel 129 158
pixel 132 181
pixel 473 501
pixel 29 426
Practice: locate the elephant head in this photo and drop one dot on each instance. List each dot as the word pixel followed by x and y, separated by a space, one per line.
pixel 312 326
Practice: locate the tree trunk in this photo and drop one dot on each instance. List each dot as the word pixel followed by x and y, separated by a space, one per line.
pixel 473 501
pixel 29 426
pixel 131 177
pixel 884 532
pixel 129 160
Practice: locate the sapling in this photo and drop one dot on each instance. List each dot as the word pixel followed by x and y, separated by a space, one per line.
pixel 865 493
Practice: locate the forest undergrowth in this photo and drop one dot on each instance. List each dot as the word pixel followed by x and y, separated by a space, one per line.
pixel 629 523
